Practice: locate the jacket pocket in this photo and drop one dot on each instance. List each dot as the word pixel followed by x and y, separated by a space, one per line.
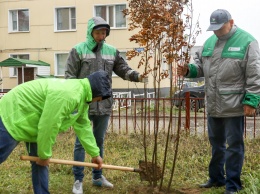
pixel 230 100
pixel 101 107
pixel 106 104
pixel 109 65
pixel 86 68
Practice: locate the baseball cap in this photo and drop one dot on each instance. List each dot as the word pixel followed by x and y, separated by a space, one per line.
pixel 103 26
pixel 218 18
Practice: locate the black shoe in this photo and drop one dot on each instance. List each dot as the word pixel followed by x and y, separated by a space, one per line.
pixel 230 192
pixel 209 184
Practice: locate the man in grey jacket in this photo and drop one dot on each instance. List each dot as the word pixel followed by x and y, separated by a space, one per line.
pixel 85 58
pixel 230 62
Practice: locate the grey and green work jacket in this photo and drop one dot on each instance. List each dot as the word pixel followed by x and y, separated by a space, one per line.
pixel 231 67
pixel 89 56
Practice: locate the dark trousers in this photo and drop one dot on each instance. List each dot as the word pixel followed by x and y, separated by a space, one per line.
pixel 40 174
pixel 100 123
pixel 226 139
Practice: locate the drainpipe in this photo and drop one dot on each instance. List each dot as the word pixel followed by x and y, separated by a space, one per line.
pixel 2 79
pixel 22 74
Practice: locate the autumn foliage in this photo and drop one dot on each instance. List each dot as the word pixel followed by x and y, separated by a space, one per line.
pixel 166 34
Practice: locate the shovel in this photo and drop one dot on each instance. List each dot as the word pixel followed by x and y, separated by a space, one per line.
pixel 144 174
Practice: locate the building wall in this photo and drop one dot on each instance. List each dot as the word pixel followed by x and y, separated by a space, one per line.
pixel 42 42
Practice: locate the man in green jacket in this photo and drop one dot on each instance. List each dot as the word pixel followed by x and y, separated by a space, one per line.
pixel 85 58
pixel 230 62
pixel 36 111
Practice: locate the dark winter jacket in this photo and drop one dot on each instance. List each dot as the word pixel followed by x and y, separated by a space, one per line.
pixel 89 56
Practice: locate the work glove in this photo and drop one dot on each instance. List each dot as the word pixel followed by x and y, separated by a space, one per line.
pixel 143 78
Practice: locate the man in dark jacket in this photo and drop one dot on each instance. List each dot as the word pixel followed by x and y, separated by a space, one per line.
pixel 230 62
pixel 87 57
pixel 36 111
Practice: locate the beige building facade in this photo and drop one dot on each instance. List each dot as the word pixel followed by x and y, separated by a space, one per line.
pixel 46 30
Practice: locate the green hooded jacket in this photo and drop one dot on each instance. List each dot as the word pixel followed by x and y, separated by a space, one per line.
pixel 38 110
pixel 89 56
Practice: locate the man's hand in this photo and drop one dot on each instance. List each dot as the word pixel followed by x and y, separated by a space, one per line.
pixel 98 160
pixel 249 110
pixel 182 70
pixel 143 78
pixel 43 162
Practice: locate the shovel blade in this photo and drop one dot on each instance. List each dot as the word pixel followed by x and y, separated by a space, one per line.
pixel 149 171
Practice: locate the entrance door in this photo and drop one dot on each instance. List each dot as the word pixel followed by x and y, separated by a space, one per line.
pixel 28 74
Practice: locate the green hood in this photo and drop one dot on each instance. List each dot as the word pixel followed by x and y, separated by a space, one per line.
pixel 94 22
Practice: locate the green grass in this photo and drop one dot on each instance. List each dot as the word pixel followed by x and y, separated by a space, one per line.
pixel 127 150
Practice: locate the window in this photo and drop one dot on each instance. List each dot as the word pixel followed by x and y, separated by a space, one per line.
pixel 13 70
pixel 65 19
pixel 60 61
pixel 19 20
pixel 112 14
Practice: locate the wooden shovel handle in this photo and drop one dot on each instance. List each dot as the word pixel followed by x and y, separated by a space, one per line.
pixel 86 164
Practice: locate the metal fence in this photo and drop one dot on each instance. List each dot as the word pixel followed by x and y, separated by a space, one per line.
pixel 139 114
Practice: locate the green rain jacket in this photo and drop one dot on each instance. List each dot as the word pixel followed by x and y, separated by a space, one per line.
pixel 38 110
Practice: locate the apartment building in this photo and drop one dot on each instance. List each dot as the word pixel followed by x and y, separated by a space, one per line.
pixel 46 30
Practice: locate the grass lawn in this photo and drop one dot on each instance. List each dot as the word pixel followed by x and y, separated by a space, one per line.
pixel 127 150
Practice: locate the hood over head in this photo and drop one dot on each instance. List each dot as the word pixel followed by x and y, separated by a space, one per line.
pixel 100 23
pixel 95 22
pixel 100 84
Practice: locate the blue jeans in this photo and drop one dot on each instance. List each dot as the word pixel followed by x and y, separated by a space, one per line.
pixel 7 143
pixel 39 173
pixel 226 139
pixel 99 123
